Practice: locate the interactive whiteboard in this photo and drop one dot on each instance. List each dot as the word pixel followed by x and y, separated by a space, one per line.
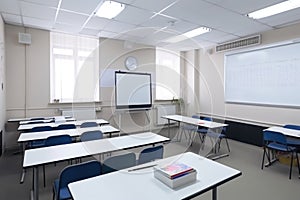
pixel 133 90
pixel 269 76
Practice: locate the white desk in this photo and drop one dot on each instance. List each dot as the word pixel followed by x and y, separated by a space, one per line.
pixel 197 122
pixel 286 131
pixel 30 118
pixel 25 127
pixel 44 120
pixel 192 121
pixel 141 184
pixel 31 136
pixel 40 156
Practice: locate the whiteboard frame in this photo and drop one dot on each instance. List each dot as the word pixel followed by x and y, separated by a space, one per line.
pixel 252 49
pixel 133 106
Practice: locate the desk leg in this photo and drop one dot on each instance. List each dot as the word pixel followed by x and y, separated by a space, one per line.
pixel 168 128
pixel 36 183
pixel 214 193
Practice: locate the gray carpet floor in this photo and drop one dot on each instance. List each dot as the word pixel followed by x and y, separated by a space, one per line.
pixel 270 183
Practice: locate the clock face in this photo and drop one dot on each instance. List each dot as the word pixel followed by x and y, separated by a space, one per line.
pixel 131 63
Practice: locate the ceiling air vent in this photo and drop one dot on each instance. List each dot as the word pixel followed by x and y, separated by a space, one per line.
pixel 245 42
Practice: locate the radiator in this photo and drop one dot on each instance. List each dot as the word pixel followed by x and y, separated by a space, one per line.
pixel 80 113
pixel 162 110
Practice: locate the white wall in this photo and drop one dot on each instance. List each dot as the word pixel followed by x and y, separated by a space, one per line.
pixel 2 80
pixel 212 87
pixel 28 77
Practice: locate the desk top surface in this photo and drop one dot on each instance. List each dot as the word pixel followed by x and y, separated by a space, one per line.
pixel 24 127
pixel 40 156
pixel 30 118
pixel 29 136
pixel 285 131
pixel 194 121
pixel 44 120
pixel 141 184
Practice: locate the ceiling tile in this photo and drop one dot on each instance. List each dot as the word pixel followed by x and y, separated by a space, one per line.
pixel 97 23
pixel 118 27
pixel 282 18
pixel 244 7
pixel 66 28
pixel 73 19
pixel 132 15
pixel 10 6
pixel 91 32
pixel 177 26
pixel 141 32
pixel 151 6
pixel 107 34
pixel 37 11
pixel 52 3
pixel 38 23
pixel 80 6
pixel 12 19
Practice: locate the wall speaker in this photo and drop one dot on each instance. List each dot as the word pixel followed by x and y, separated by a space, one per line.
pixel 24 38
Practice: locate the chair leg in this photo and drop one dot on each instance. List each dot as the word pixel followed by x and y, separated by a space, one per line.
pixel 44 175
pixel 227 144
pixel 263 160
pixel 291 166
pixel 298 163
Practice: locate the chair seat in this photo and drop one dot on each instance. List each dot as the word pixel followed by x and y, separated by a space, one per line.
pixel 216 135
pixel 281 147
pixel 36 144
pixel 293 142
pixel 64 192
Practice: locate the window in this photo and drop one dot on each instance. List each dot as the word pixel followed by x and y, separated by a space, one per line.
pixel 167 74
pixel 74 68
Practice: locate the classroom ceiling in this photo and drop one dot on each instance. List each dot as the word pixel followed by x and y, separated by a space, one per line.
pixel 150 21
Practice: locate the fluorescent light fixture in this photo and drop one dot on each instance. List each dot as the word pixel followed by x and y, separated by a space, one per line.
pixel 275 9
pixel 110 9
pixel 196 32
pixel 189 34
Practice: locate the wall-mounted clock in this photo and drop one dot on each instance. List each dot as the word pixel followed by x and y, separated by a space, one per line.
pixel 131 63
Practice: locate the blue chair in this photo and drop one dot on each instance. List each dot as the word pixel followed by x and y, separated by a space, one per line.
pixel 293 141
pixel 88 124
pixel 151 154
pixel 189 129
pixel 53 141
pixel 58 140
pixel 203 131
pixel 91 135
pixel 38 143
pixel 276 142
pixel 65 126
pixel 219 137
pixel 119 162
pixel 74 173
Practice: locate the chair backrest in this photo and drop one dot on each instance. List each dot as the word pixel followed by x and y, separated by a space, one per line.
pixel 276 137
pixel 65 126
pixel 292 126
pixel 119 162
pixel 196 116
pixel 41 128
pixel 78 172
pixel 37 118
pixel 88 124
pixel 58 140
pixel 150 154
pixel 207 119
pixel 91 135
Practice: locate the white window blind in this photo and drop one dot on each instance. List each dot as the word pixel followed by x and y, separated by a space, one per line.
pixel 74 68
pixel 167 74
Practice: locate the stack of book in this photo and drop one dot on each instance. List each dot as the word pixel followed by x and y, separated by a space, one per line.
pixel 175 175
